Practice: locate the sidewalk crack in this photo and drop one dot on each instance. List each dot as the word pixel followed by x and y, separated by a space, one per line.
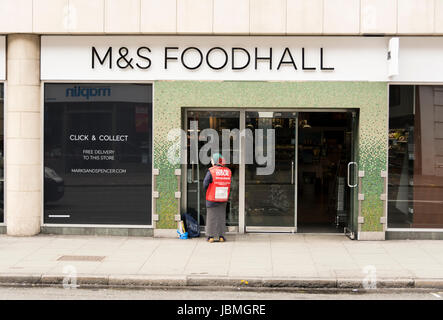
pixel 272 260
pixel 310 254
pixel 149 257
pixel 190 256
pixel 230 257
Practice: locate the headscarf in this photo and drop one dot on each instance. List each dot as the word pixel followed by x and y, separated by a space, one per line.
pixel 218 159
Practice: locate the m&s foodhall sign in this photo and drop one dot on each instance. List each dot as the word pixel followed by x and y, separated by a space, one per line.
pixel 221 58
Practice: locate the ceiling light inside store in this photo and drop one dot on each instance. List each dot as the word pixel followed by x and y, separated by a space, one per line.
pixel 265 114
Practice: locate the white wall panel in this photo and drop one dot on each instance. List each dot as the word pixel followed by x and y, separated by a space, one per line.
pixel 2 57
pixel 51 16
pixel 194 16
pixel 231 16
pixel 122 16
pixel 378 16
pixel 416 16
pixel 341 16
pixel 158 16
pixel 16 16
pixel 304 17
pixel 268 16
pixel 86 16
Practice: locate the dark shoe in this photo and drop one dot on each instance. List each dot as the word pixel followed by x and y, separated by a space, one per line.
pixel 210 239
pixel 222 239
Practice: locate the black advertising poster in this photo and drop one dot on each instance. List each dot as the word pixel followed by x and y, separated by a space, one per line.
pixel 98 154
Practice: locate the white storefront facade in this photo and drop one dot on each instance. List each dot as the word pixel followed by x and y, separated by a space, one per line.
pixel 90 106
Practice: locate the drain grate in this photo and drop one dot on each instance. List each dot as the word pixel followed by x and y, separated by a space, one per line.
pixel 81 258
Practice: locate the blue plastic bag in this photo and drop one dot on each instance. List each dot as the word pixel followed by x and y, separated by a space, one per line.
pixel 182 235
pixel 192 227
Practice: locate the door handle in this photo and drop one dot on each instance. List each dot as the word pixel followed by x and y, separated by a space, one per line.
pixel 292 172
pixel 349 176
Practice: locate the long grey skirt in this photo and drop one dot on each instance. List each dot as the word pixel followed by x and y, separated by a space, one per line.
pixel 216 221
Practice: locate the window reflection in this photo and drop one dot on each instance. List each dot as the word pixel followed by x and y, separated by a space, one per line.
pixel 1 154
pixel 270 199
pixel 415 198
pixel 97 150
pixel 196 170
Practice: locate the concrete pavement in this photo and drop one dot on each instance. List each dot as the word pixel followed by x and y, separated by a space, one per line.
pixel 261 260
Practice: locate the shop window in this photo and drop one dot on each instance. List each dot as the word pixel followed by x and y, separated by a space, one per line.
pixel 97 154
pixel 2 181
pixel 415 185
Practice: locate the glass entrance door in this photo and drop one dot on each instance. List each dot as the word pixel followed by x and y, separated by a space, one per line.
pixel 211 132
pixel 291 171
pixel 327 171
pixel 270 170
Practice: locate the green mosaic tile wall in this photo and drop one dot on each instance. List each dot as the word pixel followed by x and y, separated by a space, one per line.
pixel 370 97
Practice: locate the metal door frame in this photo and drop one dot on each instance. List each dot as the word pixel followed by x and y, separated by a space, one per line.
pixel 242 228
pixel 273 229
pixel 354 203
pixel 184 176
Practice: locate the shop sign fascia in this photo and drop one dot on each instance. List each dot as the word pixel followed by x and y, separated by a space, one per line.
pixel 2 58
pixel 420 60
pixel 239 58
pixel 150 58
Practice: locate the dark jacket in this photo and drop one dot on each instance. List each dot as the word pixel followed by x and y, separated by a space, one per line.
pixel 206 182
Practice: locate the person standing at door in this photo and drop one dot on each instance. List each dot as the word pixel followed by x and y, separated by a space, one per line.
pixel 217 184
